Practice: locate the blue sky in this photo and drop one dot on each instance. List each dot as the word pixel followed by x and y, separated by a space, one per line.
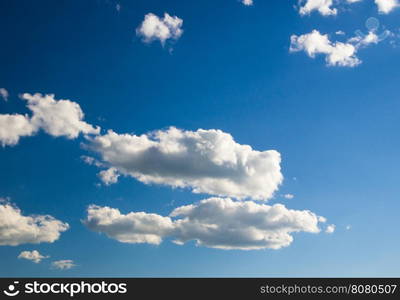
pixel 233 68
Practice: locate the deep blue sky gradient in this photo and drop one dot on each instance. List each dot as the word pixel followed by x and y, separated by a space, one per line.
pixel 336 128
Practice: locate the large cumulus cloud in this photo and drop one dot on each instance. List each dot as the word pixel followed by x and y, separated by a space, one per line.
pixel 206 161
pixel 215 222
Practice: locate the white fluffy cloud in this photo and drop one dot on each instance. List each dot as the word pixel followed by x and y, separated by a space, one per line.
pixel 13 127
pixel 135 227
pixel 63 264
pixel 162 29
pixel 324 7
pixel 386 6
pixel 214 222
pixel 58 117
pixel 225 224
pixel 4 94
pixel 207 161
pixel 330 228
pixel 370 38
pixel 17 229
pixel 247 2
pixel 109 176
pixel 55 117
pixel 337 53
pixel 288 196
pixel 322 219
pixel 34 256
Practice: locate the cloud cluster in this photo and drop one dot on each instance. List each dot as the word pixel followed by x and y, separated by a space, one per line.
pixel 56 117
pixel 17 229
pixel 34 256
pixel 325 7
pixel 206 161
pixel 162 29
pixel 215 222
pixel 337 53
pixel 65 264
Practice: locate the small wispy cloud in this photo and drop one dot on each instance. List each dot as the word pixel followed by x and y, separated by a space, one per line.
pixel 330 228
pixel 109 176
pixel 322 219
pixel 34 256
pixel 4 94
pixel 65 264
pixel 247 2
